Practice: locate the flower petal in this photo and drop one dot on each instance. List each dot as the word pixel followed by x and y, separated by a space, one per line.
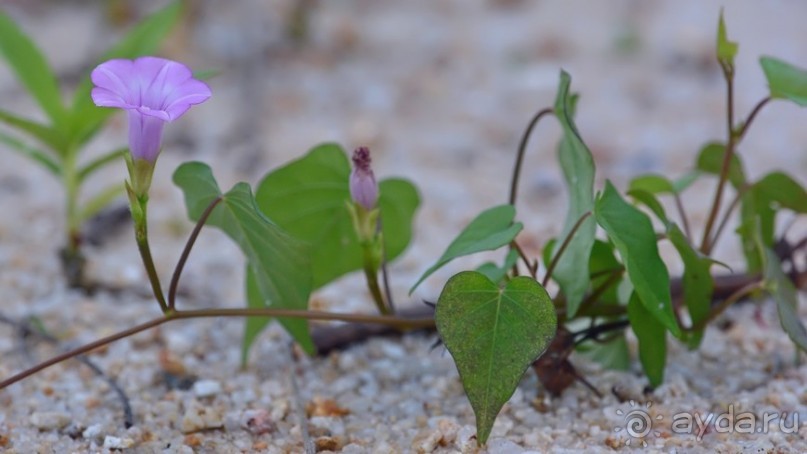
pixel 158 78
pixel 107 98
pixel 115 76
pixel 184 96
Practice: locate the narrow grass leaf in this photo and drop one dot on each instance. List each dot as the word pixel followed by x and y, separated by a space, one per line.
pixel 38 156
pixel 31 69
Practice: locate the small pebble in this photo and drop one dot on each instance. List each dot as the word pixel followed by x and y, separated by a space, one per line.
pixel 111 442
pixel 49 420
pixel 206 388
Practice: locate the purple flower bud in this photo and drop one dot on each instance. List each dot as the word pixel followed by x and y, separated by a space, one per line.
pixel 363 188
pixel 153 91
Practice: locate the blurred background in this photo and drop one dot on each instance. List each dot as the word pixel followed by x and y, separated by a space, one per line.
pixel 439 91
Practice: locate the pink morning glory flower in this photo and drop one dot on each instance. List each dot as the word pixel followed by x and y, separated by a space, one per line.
pixel 153 91
pixel 363 187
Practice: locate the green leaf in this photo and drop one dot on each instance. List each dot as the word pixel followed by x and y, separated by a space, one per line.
pixel 758 209
pixel 726 50
pixel 102 161
pixel 698 284
pixel 578 171
pixel 652 340
pixel 649 200
pixel 493 334
pixel 654 184
pixel 40 132
pixel 612 354
pixel 710 160
pixel 255 325
pixel 787 301
pixel 143 39
pixel 632 233
pixel 601 266
pixel 278 262
pixel 685 181
pixel 37 155
pixel 31 69
pixel 100 200
pixel 492 229
pixel 497 273
pixel 307 198
pixel 779 187
pixel 785 81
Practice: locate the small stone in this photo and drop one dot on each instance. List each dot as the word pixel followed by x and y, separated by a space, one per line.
pixel 49 420
pixel 257 422
pixel 93 432
pixel 426 441
pixel 111 442
pixel 206 388
pixel 198 418
pixel 329 443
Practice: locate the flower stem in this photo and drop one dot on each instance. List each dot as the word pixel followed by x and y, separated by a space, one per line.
pixel 141 236
pixel 398 322
pixel 371 273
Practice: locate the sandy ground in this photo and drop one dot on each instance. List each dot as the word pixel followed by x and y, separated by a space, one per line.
pixel 440 92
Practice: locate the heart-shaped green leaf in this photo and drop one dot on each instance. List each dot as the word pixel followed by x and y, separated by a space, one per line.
pixel 494 334
pixel 308 197
pixel 492 229
pixel 277 263
pixel 578 171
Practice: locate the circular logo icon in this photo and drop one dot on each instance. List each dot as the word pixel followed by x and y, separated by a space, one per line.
pixel 637 423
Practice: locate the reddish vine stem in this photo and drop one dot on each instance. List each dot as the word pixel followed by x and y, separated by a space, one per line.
pixel 728 153
pixel 172 289
pixel 397 322
pixel 522 149
pixel 551 268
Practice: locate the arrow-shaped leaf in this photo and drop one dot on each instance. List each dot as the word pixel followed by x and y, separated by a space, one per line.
pixel 632 233
pixel 492 229
pixel 278 262
pixel 578 171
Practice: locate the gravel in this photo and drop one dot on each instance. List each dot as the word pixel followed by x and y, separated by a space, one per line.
pixel 440 93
